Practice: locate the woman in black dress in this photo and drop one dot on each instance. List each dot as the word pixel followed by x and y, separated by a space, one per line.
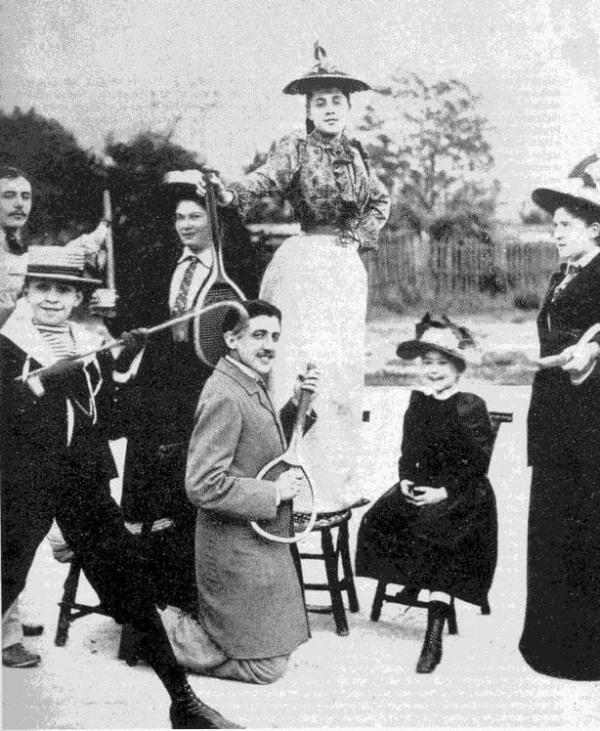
pixel 436 529
pixel 561 636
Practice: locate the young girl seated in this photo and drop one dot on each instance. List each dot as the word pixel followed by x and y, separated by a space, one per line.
pixel 436 529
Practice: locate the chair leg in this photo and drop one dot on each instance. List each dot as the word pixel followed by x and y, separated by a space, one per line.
pixel 331 567
pixel 344 545
pixel 378 600
pixel 129 645
pixel 68 599
pixel 452 623
pixel 485 606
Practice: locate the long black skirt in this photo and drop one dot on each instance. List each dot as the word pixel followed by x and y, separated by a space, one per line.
pixel 561 636
pixel 456 554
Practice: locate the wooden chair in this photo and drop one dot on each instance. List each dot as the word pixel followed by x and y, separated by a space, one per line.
pixel 335 553
pixel 410 599
pixel 70 608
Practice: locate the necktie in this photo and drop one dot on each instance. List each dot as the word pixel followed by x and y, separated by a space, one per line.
pixel 568 271
pixel 184 288
pixel 12 242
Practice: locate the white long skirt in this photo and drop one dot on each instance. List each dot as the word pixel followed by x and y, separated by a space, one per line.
pixel 321 290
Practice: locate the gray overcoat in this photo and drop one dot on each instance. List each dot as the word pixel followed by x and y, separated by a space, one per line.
pixel 249 596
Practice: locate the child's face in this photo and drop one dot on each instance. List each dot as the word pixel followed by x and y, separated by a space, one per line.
pixel 439 372
pixel 51 302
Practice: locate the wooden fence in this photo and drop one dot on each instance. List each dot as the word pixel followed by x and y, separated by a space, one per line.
pixel 410 269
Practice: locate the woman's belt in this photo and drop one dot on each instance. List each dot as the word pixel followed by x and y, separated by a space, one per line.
pixel 342 237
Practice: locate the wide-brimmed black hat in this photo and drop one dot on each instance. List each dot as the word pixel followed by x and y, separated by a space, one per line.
pixel 60 264
pixel 323 74
pixel 442 336
pixel 178 185
pixel 578 189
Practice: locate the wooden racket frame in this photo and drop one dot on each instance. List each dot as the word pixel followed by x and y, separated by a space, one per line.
pixel 293 457
pixel 217 274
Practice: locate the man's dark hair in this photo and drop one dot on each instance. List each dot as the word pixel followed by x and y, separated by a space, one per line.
pixel 8 171
pixel 254 308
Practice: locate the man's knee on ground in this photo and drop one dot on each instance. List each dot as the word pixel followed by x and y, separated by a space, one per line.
pixel 267 670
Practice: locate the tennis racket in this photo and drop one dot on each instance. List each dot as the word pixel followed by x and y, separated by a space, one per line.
pixel 304 502
pixel 34 378
pixel 208 327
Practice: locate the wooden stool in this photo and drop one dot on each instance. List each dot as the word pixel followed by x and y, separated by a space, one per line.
pixel 70 609
pixel 333 552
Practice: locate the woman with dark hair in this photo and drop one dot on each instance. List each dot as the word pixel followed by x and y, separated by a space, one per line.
pixel 317 278
pixel 561 636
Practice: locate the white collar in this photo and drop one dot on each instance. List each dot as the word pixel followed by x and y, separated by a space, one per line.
pixel 205 256
pixel 245 369
pixel 20 329
pixel 585 259
pixel 444 396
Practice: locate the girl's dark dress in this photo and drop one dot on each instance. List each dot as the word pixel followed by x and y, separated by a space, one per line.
pixel 450 546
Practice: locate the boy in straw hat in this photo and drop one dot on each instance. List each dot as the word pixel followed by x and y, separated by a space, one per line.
pixel 56 463
pixel 436 529
pixel 561 635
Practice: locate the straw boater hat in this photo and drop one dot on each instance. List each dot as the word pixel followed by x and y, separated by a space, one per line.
pixel 60 264
pixel 324 74
pixel 578 189
pixel 443 337
pixel 180 185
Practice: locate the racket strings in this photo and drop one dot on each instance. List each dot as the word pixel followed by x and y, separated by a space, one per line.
pixel 209 328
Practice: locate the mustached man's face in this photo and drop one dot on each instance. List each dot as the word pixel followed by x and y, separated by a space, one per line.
pixel 15 202
pixel 256 345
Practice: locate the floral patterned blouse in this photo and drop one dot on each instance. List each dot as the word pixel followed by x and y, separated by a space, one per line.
pixel 328 183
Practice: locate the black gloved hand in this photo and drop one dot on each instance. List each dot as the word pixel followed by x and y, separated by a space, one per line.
pixel 133 341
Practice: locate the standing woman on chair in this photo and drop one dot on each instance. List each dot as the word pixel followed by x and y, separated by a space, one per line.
pixel 317 278
pixel 561 636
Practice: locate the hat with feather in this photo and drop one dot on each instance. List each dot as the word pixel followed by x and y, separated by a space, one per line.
pixel 580 189
pixel 442 336
pixel 323 74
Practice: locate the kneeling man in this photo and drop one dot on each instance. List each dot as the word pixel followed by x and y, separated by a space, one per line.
pixel 251 612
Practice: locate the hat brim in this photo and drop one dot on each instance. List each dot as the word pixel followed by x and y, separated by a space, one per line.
pixel 170 194
pixel 411 349
pixel 310 82
pixel 552 198
pixel 84 281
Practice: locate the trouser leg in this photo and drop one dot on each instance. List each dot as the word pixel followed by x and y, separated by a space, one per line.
pixel 197 651
pixel 12 629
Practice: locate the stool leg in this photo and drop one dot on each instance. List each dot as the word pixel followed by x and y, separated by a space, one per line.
pixel 452 623
pixel 331 567
pixel 129 645
pixel 68 598
pixel 344 546
pixel 485 607
pixel 378 600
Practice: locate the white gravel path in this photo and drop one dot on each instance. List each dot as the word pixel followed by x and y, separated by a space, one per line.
pixel 366 679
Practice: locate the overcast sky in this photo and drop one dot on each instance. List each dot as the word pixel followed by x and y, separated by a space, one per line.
pixel 119 66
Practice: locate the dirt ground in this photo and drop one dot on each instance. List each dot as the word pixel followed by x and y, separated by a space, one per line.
pixel 364 680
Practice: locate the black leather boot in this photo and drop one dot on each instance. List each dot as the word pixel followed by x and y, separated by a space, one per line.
pixel 188 711
pixel 431 652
